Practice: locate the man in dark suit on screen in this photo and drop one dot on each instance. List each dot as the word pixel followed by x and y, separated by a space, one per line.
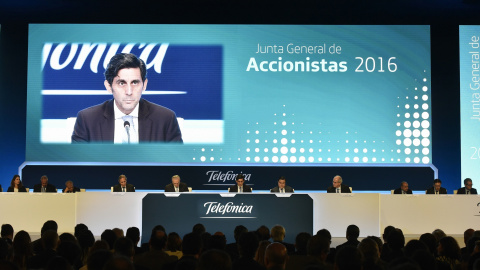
pixel 282 187
pixel 437 188
pixel 468 187
pixel 337 186
pixel 240 187
pixel 176 185
pixel 123 186
pixel 403 189
pixel 127 118
pixel 44 186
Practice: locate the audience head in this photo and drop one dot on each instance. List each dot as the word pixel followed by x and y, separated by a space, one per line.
pixel 214 260
pixel 124 247
pixel 348 258
pixel 119 263
pixel 263 233
pixel 467 235
pixel 134 234
pixel 276 256
pixel 448 247
pixel 22 244
pixel 174 242
pixel 50 239
pixel 217 241
pixel 159 228
pixel 70 251
pixel 301 241
pixel 424 259
pixel 430 241
pixel 158 240
pixel 199 228
pixel 79 228
pixel 85 239
pixel 319 247
pixel 49 225
pixel 387 231
pixel 439 234
pixel 325 233
pixel 278 233
pixel 109 236
pixel 98 259
pixel 396 240
pixel 353 232
pixel 378 241
pixel 238 231
pixel 67 237
pixel 192 244
pixel 370 250
pixel 247 245
pixel 6 231
pixel 412 246
pixel 260 254
pixel 118 232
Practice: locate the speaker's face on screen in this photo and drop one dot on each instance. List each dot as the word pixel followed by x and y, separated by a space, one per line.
pixel 127 88
pixel 240 182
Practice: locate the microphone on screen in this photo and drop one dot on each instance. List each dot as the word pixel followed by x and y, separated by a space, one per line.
pixel 126 124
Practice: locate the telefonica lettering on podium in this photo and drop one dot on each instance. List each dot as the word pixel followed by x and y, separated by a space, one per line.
pixel 228 176
pixel 227 208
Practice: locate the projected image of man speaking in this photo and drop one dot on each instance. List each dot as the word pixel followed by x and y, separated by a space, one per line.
pixel 127 118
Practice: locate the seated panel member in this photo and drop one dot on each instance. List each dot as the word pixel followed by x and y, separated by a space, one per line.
pixel 70 188
pixel 337 186
pixel 44 186
pixel 468 187
pixel 176 185
pixel 16 185
pixel 123 186
pixel 282 187
pixel 240 187
pixel 126 80
pixel 403 189
pixel 437 188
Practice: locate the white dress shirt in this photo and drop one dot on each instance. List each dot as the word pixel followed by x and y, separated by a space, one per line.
pixel 120 132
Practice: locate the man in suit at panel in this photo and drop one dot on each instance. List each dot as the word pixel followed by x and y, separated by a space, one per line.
pixel 70 188
pixel 337 186
pixel 127 118
pixel 437 188
pixel 240 187
pixel 123 186
pixel 176 185
pixel 44 186
pixel 403 189
pixel 282 187
pixel 468 187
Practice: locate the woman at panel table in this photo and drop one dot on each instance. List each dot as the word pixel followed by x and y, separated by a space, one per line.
pixel 16 185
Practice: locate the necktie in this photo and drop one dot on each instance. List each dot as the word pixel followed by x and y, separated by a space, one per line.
pixel 123 189
pixel 468 192
pixel 240 189
pixel 44 189
pixel 176 189
pixel 282 191
pixel 338 190
pixel 129 119
pixel 436 192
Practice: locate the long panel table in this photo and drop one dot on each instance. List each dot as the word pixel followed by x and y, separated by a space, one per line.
pixel 372 212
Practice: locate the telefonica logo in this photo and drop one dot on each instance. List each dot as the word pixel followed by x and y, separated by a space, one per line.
pixel 227 176
pixel 228 208
pixel 77 53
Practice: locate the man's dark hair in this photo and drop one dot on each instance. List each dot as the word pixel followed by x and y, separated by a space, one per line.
pixel 412 246
pixel 430 241
pixel 124 247
pixel 133 233
pixel 467 180
pixel 437 181
pixel 301 241
pixel 191 244
pixel 79 228
pixel 263 233
pixel 248 244
pixel 352 232
pixel 109 236
pixel 67 237
pixel 158 240
pixel 198 228
pixel 396 239
pixel 159 228
pixel 98 259
pixel 121 61
pixel 7 230
pixel 217 242
pixel 317 245
pixel 349 258
pixel 282 178
pixel 214 260
pixel 240 176
pixel 325 233
pixel 387 231
pixel 49 225
pixel 238 231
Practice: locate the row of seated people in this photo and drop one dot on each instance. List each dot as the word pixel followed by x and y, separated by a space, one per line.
pixel 240 187
pixel 262 248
